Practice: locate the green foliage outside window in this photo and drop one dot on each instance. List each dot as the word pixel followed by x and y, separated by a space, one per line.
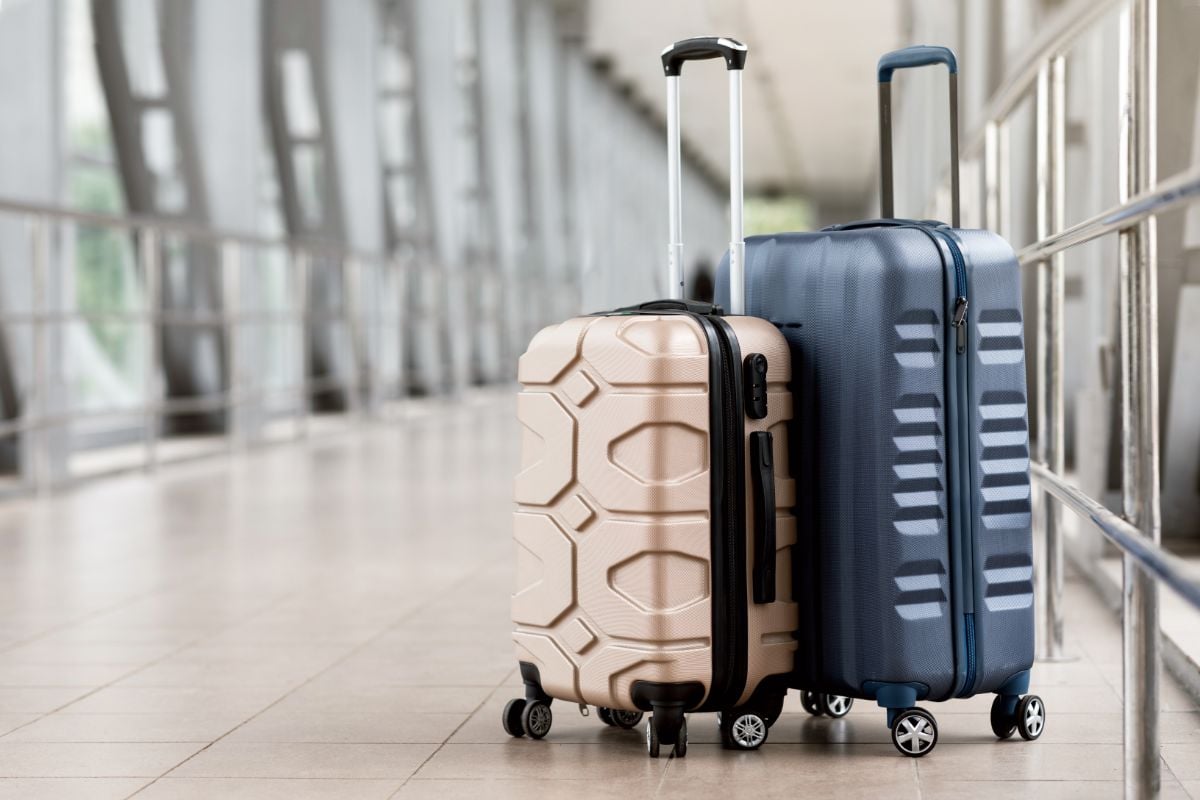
pixel 102 255
pixel 770 215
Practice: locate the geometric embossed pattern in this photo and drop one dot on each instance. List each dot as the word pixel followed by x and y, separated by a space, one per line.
pixel 577 512
pixel 917 338
pixel 541 601
pixel 999 336
pixel 1004 453
pixel 917 460
pixel 616 415
pixel 922 589
pixel 663 452
pixel 579 388
pixel 576 635
pixel 1009 581
pixel 661 581
pixel 543 479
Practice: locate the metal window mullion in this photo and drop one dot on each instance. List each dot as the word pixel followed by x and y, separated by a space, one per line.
pixel 150 253
pixel 1138 310
pixel 38 407
pixel 231 282
pixel 1050 410
pixel 300 298
pixel 991 176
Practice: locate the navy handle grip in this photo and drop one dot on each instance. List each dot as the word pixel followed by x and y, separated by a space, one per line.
pixel 921 55
pixel 701 48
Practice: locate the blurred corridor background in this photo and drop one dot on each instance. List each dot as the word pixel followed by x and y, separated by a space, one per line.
pixel 334 226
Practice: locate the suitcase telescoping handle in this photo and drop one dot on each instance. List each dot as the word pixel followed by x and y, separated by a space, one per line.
pixel 917 56
pixel 734 53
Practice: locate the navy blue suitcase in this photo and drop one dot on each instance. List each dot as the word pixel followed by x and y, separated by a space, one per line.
pixel 910 448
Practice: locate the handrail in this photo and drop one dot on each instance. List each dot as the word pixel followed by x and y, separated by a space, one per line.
pixel 1180 190
pixel 1167 567
pixel 1041 68
pixel 190 230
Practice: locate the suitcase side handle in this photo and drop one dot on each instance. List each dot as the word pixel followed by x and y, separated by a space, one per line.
pixel 916 56
pixel 762 479
pixel 734 53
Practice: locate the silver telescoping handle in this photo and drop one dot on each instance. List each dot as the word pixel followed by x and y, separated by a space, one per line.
pixel 734 53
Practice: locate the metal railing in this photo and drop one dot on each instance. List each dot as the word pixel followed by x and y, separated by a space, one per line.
pixel 1136 531
pixel 370 317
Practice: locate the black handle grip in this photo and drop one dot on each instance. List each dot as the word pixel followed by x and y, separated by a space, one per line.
pixel 701 48
pixel 762 480
pixel 690 306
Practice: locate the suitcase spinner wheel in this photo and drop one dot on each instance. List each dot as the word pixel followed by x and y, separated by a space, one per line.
pixel 914 732
pixel 1016 714
pixel 657 735
pixel 536 719
pixel 619 719
pixel 511 717
pixel 1031 717
pixel 743 730
pixel 835 705
pixel 828 705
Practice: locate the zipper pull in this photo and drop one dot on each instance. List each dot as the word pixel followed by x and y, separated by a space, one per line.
pixel 960 323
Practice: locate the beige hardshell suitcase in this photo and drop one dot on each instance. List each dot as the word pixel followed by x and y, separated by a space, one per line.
pixel 653 529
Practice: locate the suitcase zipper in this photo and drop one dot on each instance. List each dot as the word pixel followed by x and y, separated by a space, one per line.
pixel 729 649
pixel 962 388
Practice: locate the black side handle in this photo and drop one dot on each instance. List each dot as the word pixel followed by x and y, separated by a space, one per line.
pixel 690 306
pixel 762 479
pixel 702 48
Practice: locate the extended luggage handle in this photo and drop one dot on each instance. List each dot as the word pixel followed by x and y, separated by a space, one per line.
pixel 734 53
pixel 916 56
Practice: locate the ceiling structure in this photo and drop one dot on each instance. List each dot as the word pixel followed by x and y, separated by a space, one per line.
pixel 809 90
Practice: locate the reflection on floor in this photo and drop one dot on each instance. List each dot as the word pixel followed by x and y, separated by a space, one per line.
pixel 331 620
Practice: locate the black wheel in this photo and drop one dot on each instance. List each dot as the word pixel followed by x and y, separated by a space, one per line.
pixel 1031 717
pixel 537 719
pixel 914 732
pixel 651 738
pixel 511 718
pixel 1004 724
pixel 834 705
pixel 624 719
pixel 743 730
pixel 680 750
pixel 605 715
pixel 810 702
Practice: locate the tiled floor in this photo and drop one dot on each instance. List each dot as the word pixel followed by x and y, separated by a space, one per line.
pixel 331 620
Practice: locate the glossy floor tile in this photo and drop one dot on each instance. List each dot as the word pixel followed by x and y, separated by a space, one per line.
pixel 330 620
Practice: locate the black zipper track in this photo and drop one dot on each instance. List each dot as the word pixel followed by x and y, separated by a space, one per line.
pixel 729 526
pixel 962 387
